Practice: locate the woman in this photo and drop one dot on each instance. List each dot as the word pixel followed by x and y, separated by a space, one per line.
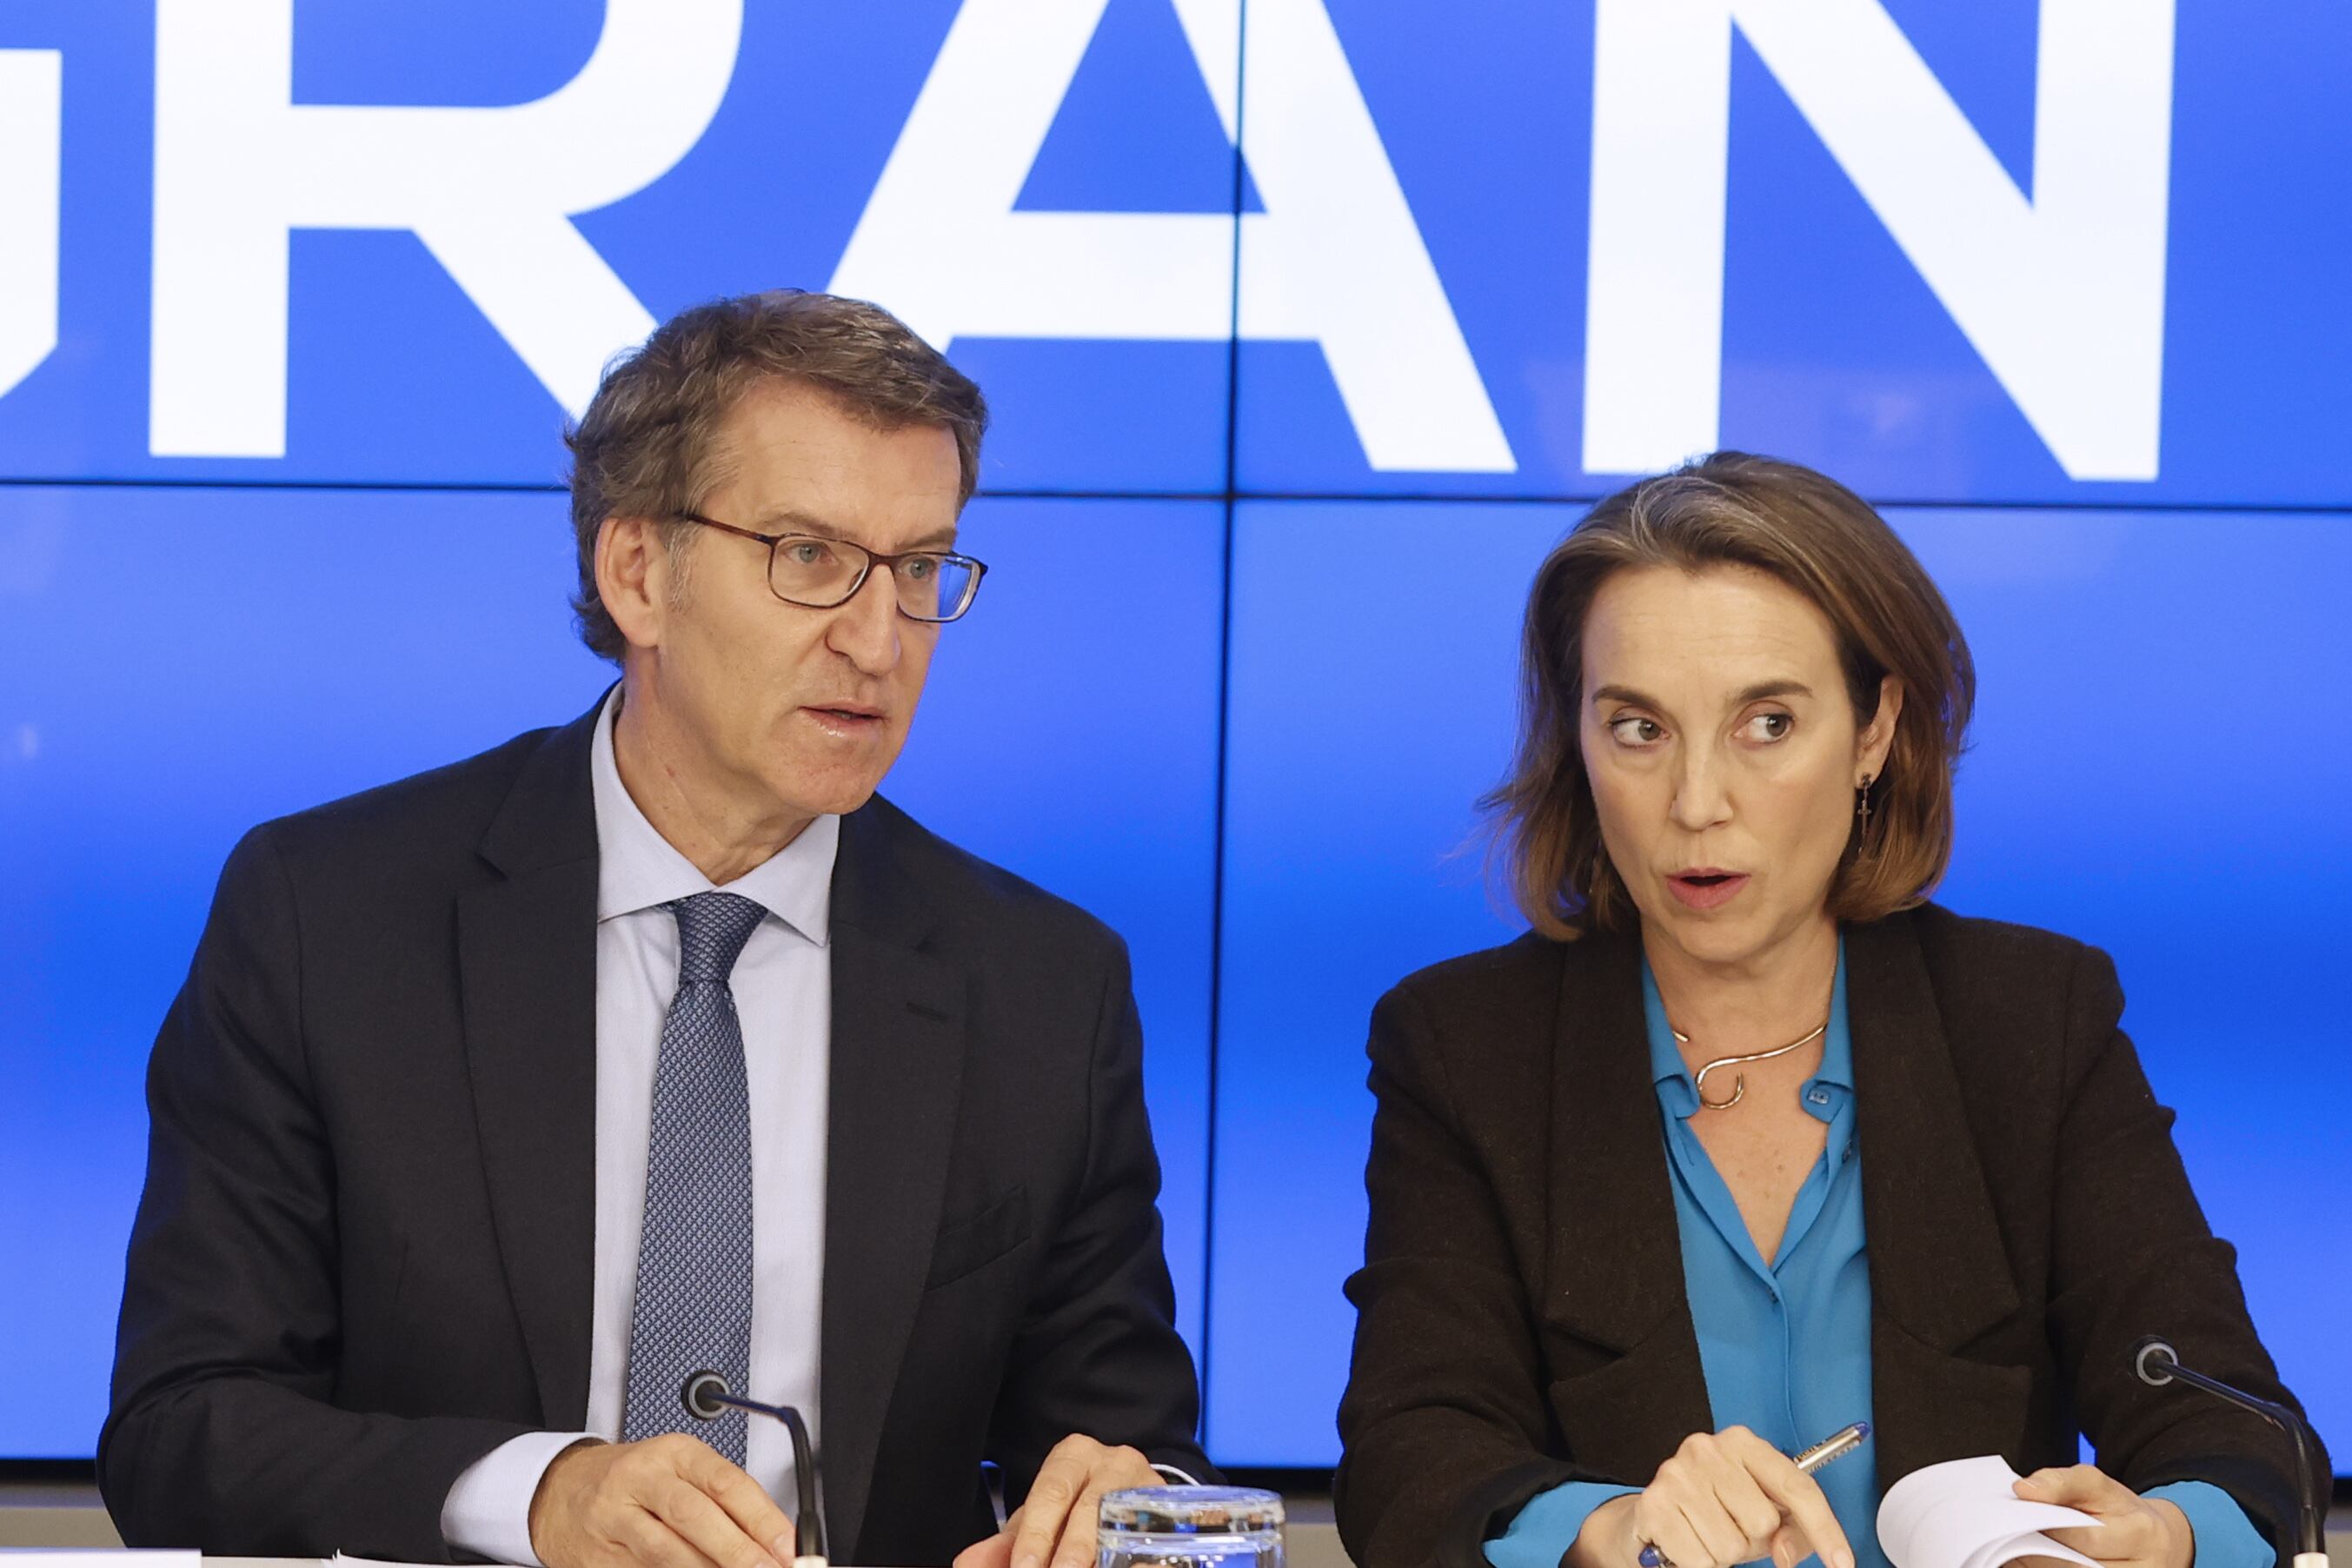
pixel 1611 1279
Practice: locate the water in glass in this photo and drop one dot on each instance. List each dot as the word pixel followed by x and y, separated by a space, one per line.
pixel 1190 1526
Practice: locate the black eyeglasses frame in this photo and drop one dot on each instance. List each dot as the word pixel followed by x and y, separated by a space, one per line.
pixel 979 569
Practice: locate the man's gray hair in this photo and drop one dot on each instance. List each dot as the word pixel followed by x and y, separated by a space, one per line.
pixel 646 447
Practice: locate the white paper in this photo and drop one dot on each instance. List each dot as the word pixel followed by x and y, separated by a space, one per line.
pixel 1965 1513
pixel 43 1557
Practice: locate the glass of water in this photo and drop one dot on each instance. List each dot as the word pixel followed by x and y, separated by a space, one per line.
pixel 1189 1526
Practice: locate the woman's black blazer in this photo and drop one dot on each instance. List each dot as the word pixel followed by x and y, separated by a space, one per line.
pixel 1522 1319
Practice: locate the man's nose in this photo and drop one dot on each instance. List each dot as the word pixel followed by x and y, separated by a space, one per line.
pixel 865 630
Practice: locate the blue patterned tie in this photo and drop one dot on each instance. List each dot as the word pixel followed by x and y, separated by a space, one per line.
pixel 694 1259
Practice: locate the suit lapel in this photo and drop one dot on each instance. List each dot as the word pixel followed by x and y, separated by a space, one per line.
pixel 526 968
pixel 898 1073
pixel 1939 1276
pixel 1616 1268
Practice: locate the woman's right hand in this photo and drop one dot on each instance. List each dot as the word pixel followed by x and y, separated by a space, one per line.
pixel 1725 1497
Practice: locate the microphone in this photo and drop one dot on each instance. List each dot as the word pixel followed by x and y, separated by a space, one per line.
pixel 2157 1364
pixel 707 1397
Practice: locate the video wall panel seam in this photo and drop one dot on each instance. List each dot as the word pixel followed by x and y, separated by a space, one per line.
pixel 1229 495
pixel 1240 182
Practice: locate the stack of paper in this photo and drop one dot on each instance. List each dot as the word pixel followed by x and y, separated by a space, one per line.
pixel 1967 1514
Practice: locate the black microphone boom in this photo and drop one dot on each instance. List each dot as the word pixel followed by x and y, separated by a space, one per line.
pixel 707 1397
pixel 2158 1363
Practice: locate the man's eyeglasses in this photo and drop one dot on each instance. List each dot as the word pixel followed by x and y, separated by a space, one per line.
pixel 819 573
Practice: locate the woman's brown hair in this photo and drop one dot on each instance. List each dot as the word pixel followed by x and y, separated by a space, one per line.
pixel 1821 539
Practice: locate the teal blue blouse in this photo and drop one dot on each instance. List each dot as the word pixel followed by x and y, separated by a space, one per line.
pixel 1786 1345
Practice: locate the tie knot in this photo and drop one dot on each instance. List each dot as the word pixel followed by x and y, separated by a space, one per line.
pixel 711 930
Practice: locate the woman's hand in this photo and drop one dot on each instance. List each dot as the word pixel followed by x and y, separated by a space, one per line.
pixel 2133 1532
pixel 1726 1497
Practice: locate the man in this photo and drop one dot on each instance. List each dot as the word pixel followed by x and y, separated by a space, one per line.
pixel 501 1100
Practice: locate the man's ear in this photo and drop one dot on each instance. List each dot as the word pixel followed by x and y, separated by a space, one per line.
pixel 632 571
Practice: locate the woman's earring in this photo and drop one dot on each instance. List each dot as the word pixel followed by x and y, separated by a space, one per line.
pixel 1862 801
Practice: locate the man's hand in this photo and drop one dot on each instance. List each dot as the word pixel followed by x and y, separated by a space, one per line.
pixel 1056 1525
pixel 666 1503
pixel 2133 1532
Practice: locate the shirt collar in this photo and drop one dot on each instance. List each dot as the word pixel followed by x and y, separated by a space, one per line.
pixel 1678 1094
pixel 639 869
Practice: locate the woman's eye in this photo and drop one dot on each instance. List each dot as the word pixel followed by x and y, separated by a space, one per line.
pixel 1630 731
pixel 1768 726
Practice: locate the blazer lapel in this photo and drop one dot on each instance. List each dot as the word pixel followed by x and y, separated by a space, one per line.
pixel 1616 1268
pixel 898 1073
pixel 526 968
pixel 1939 1276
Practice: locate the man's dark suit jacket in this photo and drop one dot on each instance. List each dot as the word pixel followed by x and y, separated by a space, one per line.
pixel 1522 1315
pixel 364 1257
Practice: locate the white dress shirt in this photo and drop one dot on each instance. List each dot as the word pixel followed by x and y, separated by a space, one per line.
pixel 783 995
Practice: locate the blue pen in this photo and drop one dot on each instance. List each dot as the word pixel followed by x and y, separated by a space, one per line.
pixel 1834 1447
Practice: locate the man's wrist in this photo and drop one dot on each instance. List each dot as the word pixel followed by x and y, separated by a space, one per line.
pixel 539 1494
pixel 487 1513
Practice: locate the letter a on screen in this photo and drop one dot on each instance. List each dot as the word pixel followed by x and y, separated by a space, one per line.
pixel 1335 259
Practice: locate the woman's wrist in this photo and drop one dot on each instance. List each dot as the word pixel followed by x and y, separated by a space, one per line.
pixel 2180 1536
pixel 1604 1540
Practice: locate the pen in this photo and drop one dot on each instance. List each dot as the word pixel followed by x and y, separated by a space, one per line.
pixel 1836 1446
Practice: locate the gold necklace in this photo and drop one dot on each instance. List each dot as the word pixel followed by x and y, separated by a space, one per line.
pixel 1739 1084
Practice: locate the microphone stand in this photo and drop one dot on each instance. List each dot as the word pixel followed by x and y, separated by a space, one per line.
pixel 2158 1363
pixel 706 1396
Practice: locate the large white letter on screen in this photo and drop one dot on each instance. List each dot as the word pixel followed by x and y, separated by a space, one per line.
pixel 1336 259
pixel 2061 293
pixel 491 192
pixel 32 101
